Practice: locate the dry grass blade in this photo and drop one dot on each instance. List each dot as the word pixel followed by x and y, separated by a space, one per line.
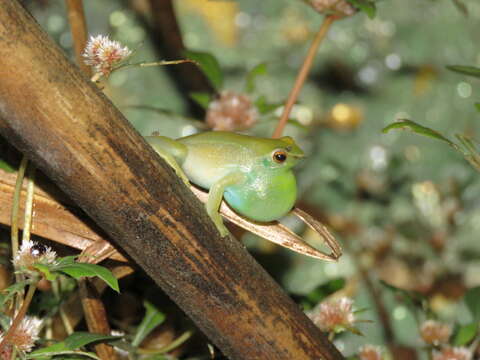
pixel 280 234
pixel 322 230
pixel 53 220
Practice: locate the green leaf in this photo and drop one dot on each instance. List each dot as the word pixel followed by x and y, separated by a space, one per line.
pixel 465 70
pixel 209 65
pixel 10 292
pixel 461 7
pixel 66 355
pixel 150 321
pixel 78 270
pixel 465 334
pixel 6 166
pixel 367 6
pixel 5 321
pixel 264 107
pixel 73 342
pixel 45 269
pixel 418 129
pixel 413 299
pixel 477 105
pixel 321 292
pixel 158 357
pixel 260 69
pixel 472 300
pixel 201 98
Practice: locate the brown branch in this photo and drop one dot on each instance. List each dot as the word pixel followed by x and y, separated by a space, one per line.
pixel 75 135
pixel 302 75
pixel 78 27
pixel 162 26
pixel 93 307
pixel 54 219
pixel 96 318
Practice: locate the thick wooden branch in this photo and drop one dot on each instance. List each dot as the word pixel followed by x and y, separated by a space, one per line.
pixel 77 137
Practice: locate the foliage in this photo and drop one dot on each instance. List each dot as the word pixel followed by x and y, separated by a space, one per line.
pixel 77 270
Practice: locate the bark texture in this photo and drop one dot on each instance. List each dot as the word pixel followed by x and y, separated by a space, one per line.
pixel 72 132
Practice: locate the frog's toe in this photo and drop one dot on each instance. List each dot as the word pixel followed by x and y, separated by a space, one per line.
pixel 222 229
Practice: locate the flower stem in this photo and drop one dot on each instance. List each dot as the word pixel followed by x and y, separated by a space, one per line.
pixel 27 222
pixel 16 205
pixel 331 336
pixel 14 221
pixel 167 348
pixel 20 315
pixel 156 63
pixel 302 75
pixel 63 316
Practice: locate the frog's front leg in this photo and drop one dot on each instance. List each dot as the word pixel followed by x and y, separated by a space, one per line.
pixel 215 196
pixel 173 152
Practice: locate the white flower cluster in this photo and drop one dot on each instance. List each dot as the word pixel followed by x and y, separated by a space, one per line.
pixel 333 315
pixel 231 112
pixel 32 252
pixel 103 54
pixel 452 353
pixel 337 7
pixel 25 335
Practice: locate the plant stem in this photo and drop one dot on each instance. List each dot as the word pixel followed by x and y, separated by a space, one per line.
pixel 27 222
pixel 20 315
pixel 331 336
pixel 302 75
pixel 156 63
pixel 14 221
pixel 78 27
pixel 16 204
pixel 63 316
pixel 167 348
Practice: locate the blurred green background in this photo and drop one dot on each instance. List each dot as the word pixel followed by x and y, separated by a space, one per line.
pixel 405 207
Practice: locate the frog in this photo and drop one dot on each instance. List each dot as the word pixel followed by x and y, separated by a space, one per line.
pixel 252 174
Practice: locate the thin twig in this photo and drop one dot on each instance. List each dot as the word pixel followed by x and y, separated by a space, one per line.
pixel 27 222
pixel 20 315
pixel 14 221
pixel 16 205
pixel 374 294
pixel 63 316
pixel 156 63
pixel 167 348
pixel 78 27
pixel 302 75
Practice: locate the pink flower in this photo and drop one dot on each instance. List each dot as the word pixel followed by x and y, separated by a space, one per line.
pixel 231 112
pixel 334 315
pixel 370 352
pixel 335 7
pixel 102 54
pixel 435 333
pixel 452 353
pixel 25 335
pixel 31 253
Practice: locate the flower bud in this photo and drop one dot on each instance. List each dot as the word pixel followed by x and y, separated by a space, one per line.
pixel 435 333
pixel 231 112
pixel 339 8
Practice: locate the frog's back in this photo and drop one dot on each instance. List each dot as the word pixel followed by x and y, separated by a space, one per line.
pixel 256 145
pixel 212 155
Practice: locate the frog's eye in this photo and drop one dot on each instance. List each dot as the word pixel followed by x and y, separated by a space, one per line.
pixel 279 156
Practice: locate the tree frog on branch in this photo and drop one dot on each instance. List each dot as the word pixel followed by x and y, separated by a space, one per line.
pixel 254 175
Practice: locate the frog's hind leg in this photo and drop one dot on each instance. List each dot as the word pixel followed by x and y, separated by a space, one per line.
pixel 173 152
pixel 215 195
